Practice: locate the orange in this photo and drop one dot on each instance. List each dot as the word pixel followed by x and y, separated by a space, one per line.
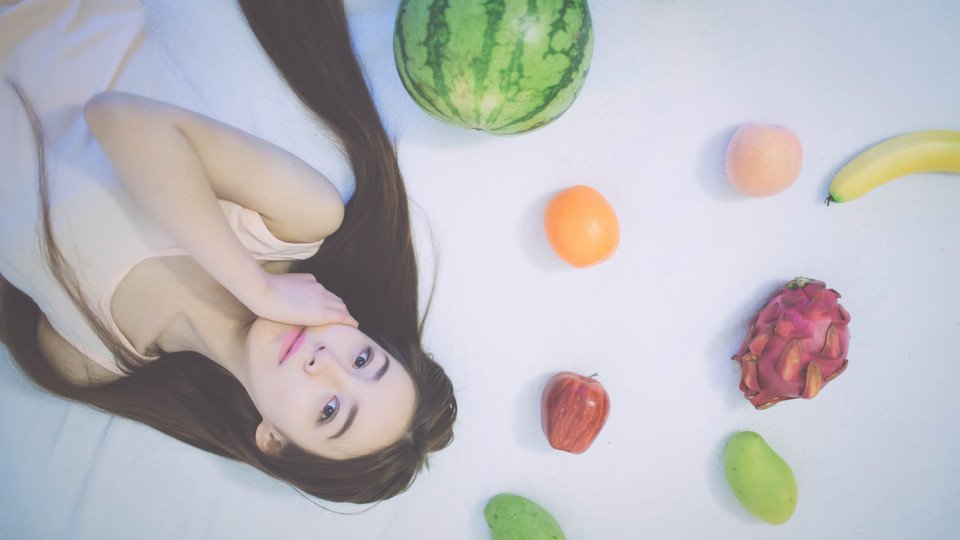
pixel 581 226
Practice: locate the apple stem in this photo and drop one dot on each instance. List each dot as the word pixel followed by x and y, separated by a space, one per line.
pixel 592 376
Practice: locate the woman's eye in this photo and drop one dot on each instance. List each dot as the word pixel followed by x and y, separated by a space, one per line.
pixel 363 359
pixel 330 410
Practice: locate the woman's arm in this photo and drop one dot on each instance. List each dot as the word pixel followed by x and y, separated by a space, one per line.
pixel 159 145
pixel 177 164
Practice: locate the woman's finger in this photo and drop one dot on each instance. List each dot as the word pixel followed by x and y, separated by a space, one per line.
pixel 345 315
pixel 334 301
pixel 342 317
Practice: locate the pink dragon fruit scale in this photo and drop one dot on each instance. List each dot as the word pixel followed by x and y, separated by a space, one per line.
pixel 797 343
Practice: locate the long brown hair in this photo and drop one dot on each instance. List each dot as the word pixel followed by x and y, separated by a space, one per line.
pixel 369 262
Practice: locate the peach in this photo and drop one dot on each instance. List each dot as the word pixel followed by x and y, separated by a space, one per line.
pixel 763 159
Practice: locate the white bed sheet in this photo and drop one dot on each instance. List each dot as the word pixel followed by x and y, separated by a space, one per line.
pixel 875 454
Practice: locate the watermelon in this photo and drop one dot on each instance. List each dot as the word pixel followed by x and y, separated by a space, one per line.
pixel 500 66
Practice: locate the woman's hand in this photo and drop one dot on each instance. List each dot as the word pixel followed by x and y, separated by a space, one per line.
pixel 300 300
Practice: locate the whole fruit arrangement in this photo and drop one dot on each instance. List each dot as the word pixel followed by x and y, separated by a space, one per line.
pixel 573 410
pixel 762 481
pixel 581 226
pixel 796 344
pixel 504 67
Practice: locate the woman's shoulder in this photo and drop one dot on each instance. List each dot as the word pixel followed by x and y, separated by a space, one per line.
pixel 64 357
pixel 70 362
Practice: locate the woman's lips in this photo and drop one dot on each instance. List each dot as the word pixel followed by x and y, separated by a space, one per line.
pixel 291 342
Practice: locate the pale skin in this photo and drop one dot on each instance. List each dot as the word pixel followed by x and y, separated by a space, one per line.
pixel 338 394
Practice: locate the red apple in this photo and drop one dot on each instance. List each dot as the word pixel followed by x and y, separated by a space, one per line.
pixel 573 409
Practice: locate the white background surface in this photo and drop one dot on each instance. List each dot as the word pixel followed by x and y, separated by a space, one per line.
pixel 875 454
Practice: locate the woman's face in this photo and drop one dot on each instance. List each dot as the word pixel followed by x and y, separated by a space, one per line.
pixel 331 390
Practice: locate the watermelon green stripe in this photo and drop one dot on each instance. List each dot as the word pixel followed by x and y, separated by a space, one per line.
pixel 438 37
pixel 403 62
pixel 494 11
pixel 576 53
pixel 503 66
pixel 511 78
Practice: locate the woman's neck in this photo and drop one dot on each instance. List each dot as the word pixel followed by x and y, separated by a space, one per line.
pixel 172 304
pixel 216 331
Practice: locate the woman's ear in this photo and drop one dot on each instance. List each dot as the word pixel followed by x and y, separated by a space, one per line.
pixel 269 440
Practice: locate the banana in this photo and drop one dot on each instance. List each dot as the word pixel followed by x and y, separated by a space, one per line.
pixel 920 151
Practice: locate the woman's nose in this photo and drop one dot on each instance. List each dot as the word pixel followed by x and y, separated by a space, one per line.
pixel 322 362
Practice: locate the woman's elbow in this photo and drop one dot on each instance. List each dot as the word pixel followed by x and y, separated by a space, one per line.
pixel 104 109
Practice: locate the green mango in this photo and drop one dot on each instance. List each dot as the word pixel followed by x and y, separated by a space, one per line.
pixel 512 517
pixel 761 480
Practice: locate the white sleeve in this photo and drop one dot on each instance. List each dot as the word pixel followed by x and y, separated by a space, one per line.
pixel 260 242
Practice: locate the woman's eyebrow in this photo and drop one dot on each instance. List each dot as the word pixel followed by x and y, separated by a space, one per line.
pixel 353 410
pixel 386 365
pixel 346 423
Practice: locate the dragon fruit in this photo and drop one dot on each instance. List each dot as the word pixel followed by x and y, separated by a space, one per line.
pixel 797 343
